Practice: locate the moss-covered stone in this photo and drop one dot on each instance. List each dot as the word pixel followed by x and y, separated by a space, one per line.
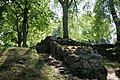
pixel 77 59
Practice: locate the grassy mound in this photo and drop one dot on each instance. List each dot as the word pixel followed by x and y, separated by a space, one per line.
pixel 24 64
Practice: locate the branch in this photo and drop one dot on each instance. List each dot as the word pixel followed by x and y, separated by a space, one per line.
pixel 18 5
pixel 66 1
pixel 14 28
pixel 61 2
pixel 75 5
pixel 70 3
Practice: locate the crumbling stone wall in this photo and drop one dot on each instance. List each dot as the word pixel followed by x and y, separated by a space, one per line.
pixel 82 61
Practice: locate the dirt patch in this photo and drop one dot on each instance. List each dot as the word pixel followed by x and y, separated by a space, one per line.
pixel 111 67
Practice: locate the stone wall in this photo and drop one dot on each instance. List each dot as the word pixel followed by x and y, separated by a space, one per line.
pixel 82 61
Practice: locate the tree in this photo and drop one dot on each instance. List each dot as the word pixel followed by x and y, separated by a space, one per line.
pixel 25 20
pixel 91 25
pixel 25 23
pixel 17 29
pixel 110 8
pixel 65 6
pixel 115 17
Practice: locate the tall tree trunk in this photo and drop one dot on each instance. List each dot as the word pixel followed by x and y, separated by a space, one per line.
pixel 19 36
pixel 24 26
pixel 64 4
pixel 19 39
pixel 65 21
pixel 115 18
pixel 18 30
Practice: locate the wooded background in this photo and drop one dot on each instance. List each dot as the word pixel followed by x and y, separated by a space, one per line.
pixel 25 22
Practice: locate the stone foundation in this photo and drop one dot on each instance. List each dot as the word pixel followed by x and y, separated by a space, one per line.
pixel 82 61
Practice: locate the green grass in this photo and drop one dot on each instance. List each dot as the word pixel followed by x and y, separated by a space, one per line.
pixel 111 64
pixel 24 64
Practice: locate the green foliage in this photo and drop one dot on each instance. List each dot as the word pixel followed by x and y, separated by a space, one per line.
pixel 91 26
pixel 26 64
pixel 39 17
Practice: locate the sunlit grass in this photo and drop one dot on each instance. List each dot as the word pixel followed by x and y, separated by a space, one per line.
pixel 111 64
pixel 24 64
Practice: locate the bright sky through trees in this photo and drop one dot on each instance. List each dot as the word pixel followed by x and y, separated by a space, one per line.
pixel 56 8
pixel 90 22
pixel 82 9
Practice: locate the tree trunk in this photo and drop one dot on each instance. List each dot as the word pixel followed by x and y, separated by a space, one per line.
pixel 65 7
pixel 19 39
pixel 115 18
pixel 24 26
pixel 18 30
pixel 65 21
pixel 19 36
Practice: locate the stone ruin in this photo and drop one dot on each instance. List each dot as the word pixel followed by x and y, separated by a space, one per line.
pixel 82 61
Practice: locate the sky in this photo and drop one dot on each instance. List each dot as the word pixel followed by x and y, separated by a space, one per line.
pixel 56 8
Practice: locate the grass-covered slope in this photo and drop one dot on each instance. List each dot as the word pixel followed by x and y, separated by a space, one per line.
pixel 24 64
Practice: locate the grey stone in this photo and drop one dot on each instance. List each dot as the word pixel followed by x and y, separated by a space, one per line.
pixel 82 61
pixel 53 38
pixel 86 65
pixel 76 65
pixel 84 56
pixel 93 60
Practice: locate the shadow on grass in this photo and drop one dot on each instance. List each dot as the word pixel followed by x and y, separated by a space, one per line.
pixel 36 71
pixel 31 66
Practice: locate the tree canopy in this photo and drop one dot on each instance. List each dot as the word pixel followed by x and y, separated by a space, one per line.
pixel 25 22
